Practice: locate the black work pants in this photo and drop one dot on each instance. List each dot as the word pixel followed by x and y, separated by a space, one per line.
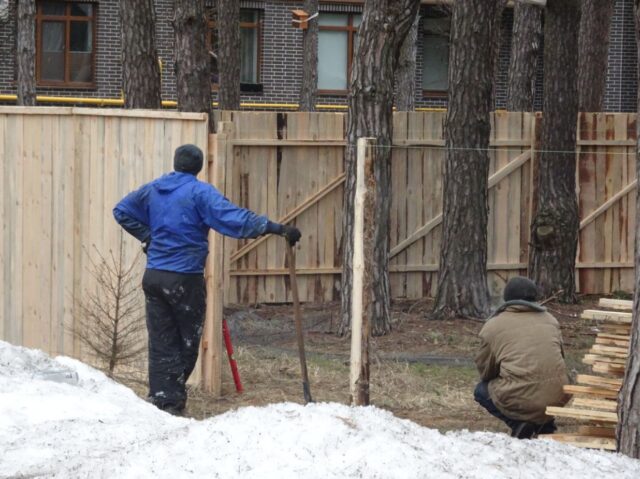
pixel 175 307
pixel 482 397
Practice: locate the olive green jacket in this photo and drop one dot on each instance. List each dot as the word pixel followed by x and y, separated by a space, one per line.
pixel 521 357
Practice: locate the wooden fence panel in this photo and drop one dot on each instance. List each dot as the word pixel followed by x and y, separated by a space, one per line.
pixel 290 168
pixel 607 184
pixel 62 171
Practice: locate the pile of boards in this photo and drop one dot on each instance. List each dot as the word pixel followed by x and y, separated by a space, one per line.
pixel 595 396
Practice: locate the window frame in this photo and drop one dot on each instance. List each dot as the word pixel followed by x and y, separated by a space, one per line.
pixel 351 34
pixel 258 26
pixel 426 93
pixel 66 19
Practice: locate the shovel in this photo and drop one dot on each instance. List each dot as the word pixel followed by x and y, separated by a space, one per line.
pixel 291 256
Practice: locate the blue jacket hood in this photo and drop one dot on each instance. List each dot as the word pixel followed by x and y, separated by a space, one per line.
pixel 172 181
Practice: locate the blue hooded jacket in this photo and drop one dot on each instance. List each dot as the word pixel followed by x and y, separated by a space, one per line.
pixel 175 212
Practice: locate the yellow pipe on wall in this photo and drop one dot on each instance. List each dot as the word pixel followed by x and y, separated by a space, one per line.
pixel 174 104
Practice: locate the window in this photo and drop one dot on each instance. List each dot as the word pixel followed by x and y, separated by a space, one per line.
pixel 336 42
pixel 435 61
pixel 250 46
pixel 65 40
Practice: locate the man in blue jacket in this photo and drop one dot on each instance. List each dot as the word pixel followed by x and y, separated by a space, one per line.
pixel 172 216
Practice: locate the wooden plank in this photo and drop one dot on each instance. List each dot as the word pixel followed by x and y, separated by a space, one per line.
pixel 600 404
pixel 611 369
pixel 597 431
pixel 623 343
pixel 619 337
pixel 610 316
pixel 586 414
pixel 622 304
pixel 14 271
pixel 589 442
pixel 606 142
pixel 5 253
pixel 589 391
pixel 609 351
pixel 597 358
pixel 606 383
pixel 284 143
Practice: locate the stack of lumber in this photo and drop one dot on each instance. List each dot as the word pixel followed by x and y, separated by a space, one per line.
pixel 595 396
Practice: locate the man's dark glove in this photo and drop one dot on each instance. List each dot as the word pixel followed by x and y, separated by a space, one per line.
pixel 145 244
pixel 291 233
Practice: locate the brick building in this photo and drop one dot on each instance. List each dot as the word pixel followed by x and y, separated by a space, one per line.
pixel 78 52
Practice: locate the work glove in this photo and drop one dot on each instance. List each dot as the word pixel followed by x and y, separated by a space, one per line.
pixel 291 234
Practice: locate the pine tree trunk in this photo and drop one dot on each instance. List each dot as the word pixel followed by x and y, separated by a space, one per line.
pixel 193 85
pixel 229 54
pixel 406 72
pixel 628 430
pixel 593 54
pixel 554 230
pixel 385 24
pixel 140 68
pixel 309 86
pixel 462 281
pixel 525 47
pixel 26 52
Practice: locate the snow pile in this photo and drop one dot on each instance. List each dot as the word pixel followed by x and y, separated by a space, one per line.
pixel 97 428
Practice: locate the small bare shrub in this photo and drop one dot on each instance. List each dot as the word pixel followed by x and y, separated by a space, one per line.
pixel 112 320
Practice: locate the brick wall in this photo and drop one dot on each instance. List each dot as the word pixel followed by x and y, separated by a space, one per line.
pixel 281 56
pixel 622 80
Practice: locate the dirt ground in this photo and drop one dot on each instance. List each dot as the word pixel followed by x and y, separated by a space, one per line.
pixel 423 370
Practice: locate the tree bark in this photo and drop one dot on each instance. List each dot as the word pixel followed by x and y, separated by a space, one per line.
pixel 309 88
pixel 628 429
pixel 140 68
pixel 525 47
pixel 229 54
pixel 26 52
pixel 385 25
pixel 406 72
pixel 554 230
pixel 193 85
pixel 462 279
pixel 593 54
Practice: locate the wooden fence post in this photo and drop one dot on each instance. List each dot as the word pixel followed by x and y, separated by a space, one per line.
pixel 363 242
pixel 208 371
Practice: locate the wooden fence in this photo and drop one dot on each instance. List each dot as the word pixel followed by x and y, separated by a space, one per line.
pixel 62 171
pixel 289 166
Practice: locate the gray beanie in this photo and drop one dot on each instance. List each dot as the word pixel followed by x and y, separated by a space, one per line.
pixel 188 159
pixel 520 287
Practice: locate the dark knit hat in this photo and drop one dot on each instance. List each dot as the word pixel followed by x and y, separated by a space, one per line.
pixel 520 288
pixel 188 159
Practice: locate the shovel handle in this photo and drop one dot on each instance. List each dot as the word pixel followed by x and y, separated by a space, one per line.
pixel 291 256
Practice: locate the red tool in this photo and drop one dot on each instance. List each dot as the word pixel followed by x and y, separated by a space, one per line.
pixel 232 362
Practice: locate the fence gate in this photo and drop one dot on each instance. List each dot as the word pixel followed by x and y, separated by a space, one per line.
pixel 416 211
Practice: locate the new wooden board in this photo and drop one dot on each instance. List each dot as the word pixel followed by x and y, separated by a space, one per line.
pixel 589 442
pixel 589 391
pixel 621 304
pixel 610 316
pixel 607 383
pixel 586 414
pixel 598 404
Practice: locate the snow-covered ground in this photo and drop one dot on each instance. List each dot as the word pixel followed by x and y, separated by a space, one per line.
pixel 98 428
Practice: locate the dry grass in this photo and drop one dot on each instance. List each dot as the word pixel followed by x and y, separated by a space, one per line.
pixel 435 396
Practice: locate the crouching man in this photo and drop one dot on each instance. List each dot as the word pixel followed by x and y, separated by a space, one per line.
pixel 521 362
pixel 172 216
